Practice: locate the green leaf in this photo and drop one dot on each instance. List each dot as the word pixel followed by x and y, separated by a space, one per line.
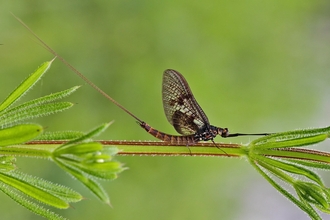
pixel 293 168
pixel 89 158
pixel 294 136
pixel 30 205
pixel 63 192
pixel 33 191
pixel 60 135
pixel 301 204
pixel 313 193
pixel 104 169
pixel 34 112
pixel 314 164
pixel 89 135
pixel 78 149
pixel 94 186
pixel 25 85
pixel 293 142
pixel 85 161
pixel 19 134
pixel 39 101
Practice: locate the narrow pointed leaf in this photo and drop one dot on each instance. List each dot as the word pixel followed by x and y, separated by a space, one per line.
pixel 318 165
pixel 37 111
pixel 78 149
pixel 61 191
pixel 19 134
pixel 89 135
pixel 25 85
pixel 60 135
pixel 105 170
pixel 33 191
pixel 313 193
pixel 30 205
pixel 39 101
pixel 292 135
pixel 297 142
pixel 293 168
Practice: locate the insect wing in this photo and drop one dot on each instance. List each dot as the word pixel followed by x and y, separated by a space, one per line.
pixel 181 108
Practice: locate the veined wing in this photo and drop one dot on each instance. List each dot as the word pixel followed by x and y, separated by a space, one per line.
pixel 181 108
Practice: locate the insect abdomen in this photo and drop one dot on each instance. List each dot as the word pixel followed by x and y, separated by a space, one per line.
pixel 173 139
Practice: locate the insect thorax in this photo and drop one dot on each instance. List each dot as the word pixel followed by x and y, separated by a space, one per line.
pixel 210 132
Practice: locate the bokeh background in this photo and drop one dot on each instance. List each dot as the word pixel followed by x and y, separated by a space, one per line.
pixel 254 66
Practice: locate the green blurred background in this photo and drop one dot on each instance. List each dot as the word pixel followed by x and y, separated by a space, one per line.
pixel 254 66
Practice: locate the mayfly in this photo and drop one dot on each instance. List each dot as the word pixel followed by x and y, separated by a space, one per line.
pixel 185 114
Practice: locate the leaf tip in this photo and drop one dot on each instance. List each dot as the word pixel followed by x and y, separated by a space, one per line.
pixel 109 203
pixel 52 59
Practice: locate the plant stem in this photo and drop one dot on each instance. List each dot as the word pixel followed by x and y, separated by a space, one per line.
pixel 151 148
pixel 41 151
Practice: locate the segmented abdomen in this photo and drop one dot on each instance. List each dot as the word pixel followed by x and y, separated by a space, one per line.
pixel 173 139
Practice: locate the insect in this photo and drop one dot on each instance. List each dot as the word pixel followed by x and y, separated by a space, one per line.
pixel 181 108
pixel 185 114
